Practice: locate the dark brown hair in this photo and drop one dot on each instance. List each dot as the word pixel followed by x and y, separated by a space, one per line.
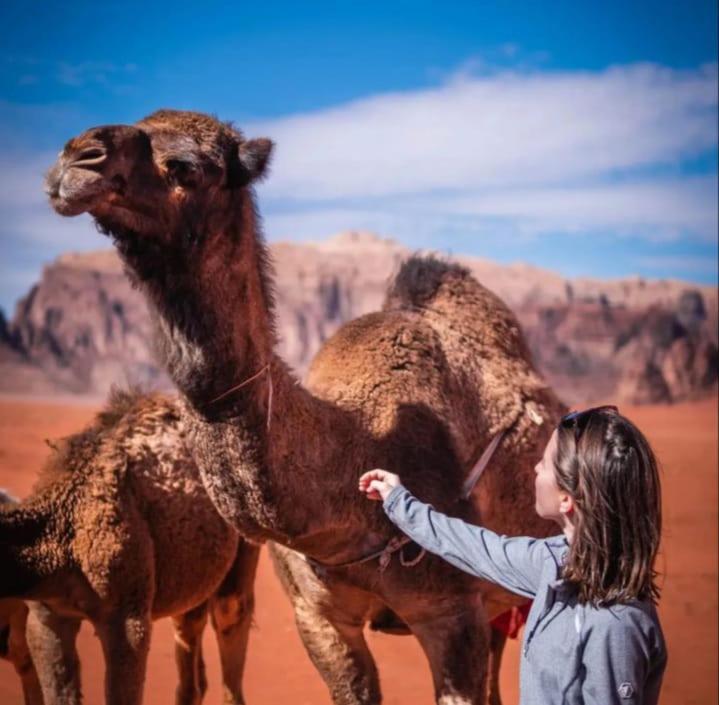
pixel 607 465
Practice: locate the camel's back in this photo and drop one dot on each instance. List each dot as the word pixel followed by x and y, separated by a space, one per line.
pixel 442 340
pixel 480 336
pixel 381 364
pixel 446 342
pixel 481 339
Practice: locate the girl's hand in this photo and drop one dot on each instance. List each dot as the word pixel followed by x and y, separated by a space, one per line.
pixel 377 484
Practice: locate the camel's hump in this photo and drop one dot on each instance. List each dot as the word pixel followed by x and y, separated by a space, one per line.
pixel 428 283
pixel 420 278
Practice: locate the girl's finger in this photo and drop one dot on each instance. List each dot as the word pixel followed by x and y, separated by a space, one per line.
pixel 370 475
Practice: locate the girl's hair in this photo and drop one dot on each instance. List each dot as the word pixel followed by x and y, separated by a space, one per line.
pixel 606 464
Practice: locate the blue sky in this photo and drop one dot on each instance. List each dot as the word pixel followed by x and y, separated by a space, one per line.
pixel 579 137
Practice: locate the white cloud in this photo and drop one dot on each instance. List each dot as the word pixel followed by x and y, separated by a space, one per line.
pixel 500 130
pixel 658 209
pixel 506 154
pixel 550 150
pixel 654 211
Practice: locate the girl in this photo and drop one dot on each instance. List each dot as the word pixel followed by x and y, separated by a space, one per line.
pixel 593 635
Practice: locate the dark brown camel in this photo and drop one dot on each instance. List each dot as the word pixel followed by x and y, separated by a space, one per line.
pixel 13 644
pixel 120 531
pixel 421 388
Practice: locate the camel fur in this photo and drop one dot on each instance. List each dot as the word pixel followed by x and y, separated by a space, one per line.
pixel 13 644
pixel 420 388
pixel 120 531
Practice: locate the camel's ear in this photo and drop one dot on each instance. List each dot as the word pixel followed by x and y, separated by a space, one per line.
pixel 253 157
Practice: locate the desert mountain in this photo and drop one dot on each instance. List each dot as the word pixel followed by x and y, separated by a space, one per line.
pixel 82 327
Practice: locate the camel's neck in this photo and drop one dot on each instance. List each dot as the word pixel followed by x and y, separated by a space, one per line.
pixel 212 299
pixel 209 289
pixel 22 561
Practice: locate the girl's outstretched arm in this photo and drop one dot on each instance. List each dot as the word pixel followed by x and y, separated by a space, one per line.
pixel 515 563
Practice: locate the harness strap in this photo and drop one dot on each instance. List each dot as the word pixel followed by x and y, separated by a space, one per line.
pixel 481 464
pixel 241 384
pixel 396 543
pixel 270 391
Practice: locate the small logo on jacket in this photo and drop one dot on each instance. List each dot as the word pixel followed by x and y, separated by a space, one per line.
pixel 625 690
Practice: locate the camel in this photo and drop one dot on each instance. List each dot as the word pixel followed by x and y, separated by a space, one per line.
pixel 13 644
pixel 120 531
pixel 14 648
pixel 422 387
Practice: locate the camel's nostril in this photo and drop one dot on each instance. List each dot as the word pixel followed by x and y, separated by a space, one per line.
pixel 90 157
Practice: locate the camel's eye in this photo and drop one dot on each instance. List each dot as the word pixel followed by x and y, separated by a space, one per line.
pixel 181 172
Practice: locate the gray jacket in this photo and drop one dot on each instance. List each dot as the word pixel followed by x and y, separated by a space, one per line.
pixel 571 653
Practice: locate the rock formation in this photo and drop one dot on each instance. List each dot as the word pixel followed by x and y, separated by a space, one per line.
pixel 83 328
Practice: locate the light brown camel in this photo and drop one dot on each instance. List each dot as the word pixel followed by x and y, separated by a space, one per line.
pixel 13 644
pixel 420 388
pixel 120 531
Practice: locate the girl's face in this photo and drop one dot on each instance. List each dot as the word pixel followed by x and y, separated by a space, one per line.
pixel 551 502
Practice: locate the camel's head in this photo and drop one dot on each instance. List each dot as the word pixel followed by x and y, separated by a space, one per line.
pixel 154 177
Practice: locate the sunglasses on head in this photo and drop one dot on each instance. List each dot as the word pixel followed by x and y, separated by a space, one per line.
pixel 577 420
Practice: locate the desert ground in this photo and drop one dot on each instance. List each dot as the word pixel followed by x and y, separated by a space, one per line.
pixel 279 671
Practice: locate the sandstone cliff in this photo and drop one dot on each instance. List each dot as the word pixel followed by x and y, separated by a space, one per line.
pixel 83 328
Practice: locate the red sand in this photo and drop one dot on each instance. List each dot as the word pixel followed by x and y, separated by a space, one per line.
pixel 279 671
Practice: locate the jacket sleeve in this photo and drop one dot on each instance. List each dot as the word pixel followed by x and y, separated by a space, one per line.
pixel 514 563
pixel 622 663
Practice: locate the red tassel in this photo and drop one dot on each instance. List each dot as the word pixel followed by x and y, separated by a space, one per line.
pixel 511 621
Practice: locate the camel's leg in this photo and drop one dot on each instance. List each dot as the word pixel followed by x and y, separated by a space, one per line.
pixel 497 641
pixel 192 684
pixel 125 639
pixel 231 608
pixel 330 622
pixel 337 647
pixel 456 642
pixel 19 654
pixel 51 640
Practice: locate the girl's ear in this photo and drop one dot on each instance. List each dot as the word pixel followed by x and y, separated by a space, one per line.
pixel 566 504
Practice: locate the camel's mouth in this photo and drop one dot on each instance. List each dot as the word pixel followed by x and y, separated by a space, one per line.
pixel 76 187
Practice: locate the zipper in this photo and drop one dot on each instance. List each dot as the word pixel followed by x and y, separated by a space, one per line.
pixel 548 604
